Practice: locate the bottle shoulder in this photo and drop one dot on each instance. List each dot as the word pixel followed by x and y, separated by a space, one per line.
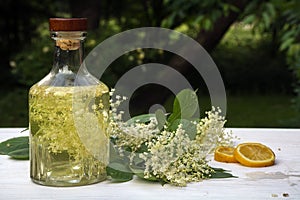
pixel 41 90
pixel 70 79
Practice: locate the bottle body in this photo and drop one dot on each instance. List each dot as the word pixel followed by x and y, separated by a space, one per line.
pixel 69 142
pixel 68 116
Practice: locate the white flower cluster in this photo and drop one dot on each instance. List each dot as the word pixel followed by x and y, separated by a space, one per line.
pixel 129 135
pixel 171 156
pixel 210 132
pixel 174 158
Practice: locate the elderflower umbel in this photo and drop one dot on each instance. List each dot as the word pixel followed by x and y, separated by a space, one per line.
pixel 171 156
pixel 211 133
pixel 129 135
pixel 175 159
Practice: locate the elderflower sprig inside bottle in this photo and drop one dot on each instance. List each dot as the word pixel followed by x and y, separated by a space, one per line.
pixel 68 115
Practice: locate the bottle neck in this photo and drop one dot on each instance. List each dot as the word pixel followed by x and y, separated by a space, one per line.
pixel 69 51
pixel 67 67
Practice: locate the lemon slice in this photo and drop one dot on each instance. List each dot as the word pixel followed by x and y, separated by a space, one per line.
pixel 224 154
pixel 254 155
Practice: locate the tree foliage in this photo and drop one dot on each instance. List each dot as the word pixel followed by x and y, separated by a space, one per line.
pixel 282 18
pixel 26 45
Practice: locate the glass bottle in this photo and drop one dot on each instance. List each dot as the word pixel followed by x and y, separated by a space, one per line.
pixel 68 113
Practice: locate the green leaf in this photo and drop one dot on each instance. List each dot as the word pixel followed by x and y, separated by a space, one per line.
pixel 119 172
pixel 114 155
pixel 143 148
pixel 24 130
pixel 20 154
pixel 141 118
pixel 138 161
pixel 219 169
pixel 266 19
pixel 14 144
pixel 122 167
pixel 185 105
pixel 198 19
pixel 139 172
pixel 271 9
pixel 286 44
pixel 234 8
pixel 249 19
pixel 161 118
pixel 221 173
pixel 189 127
pixel 207 24
pixel 288 34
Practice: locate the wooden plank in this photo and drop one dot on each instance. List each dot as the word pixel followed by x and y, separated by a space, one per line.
pixel 273 182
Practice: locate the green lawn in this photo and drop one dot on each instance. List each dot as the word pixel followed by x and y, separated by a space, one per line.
pixel 13 108
pixel 260 111
pixel 257 111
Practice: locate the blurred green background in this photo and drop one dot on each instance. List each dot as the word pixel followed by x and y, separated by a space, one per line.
pixel 255 44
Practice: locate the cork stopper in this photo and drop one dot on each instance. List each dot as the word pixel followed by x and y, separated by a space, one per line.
pixel 68 24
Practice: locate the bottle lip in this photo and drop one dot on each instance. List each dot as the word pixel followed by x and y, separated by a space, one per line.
pixel 68 24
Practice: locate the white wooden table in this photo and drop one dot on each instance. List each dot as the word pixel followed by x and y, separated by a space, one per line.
pixel 281 181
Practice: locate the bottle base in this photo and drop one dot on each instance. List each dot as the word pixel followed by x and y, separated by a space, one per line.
pixel 69 183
